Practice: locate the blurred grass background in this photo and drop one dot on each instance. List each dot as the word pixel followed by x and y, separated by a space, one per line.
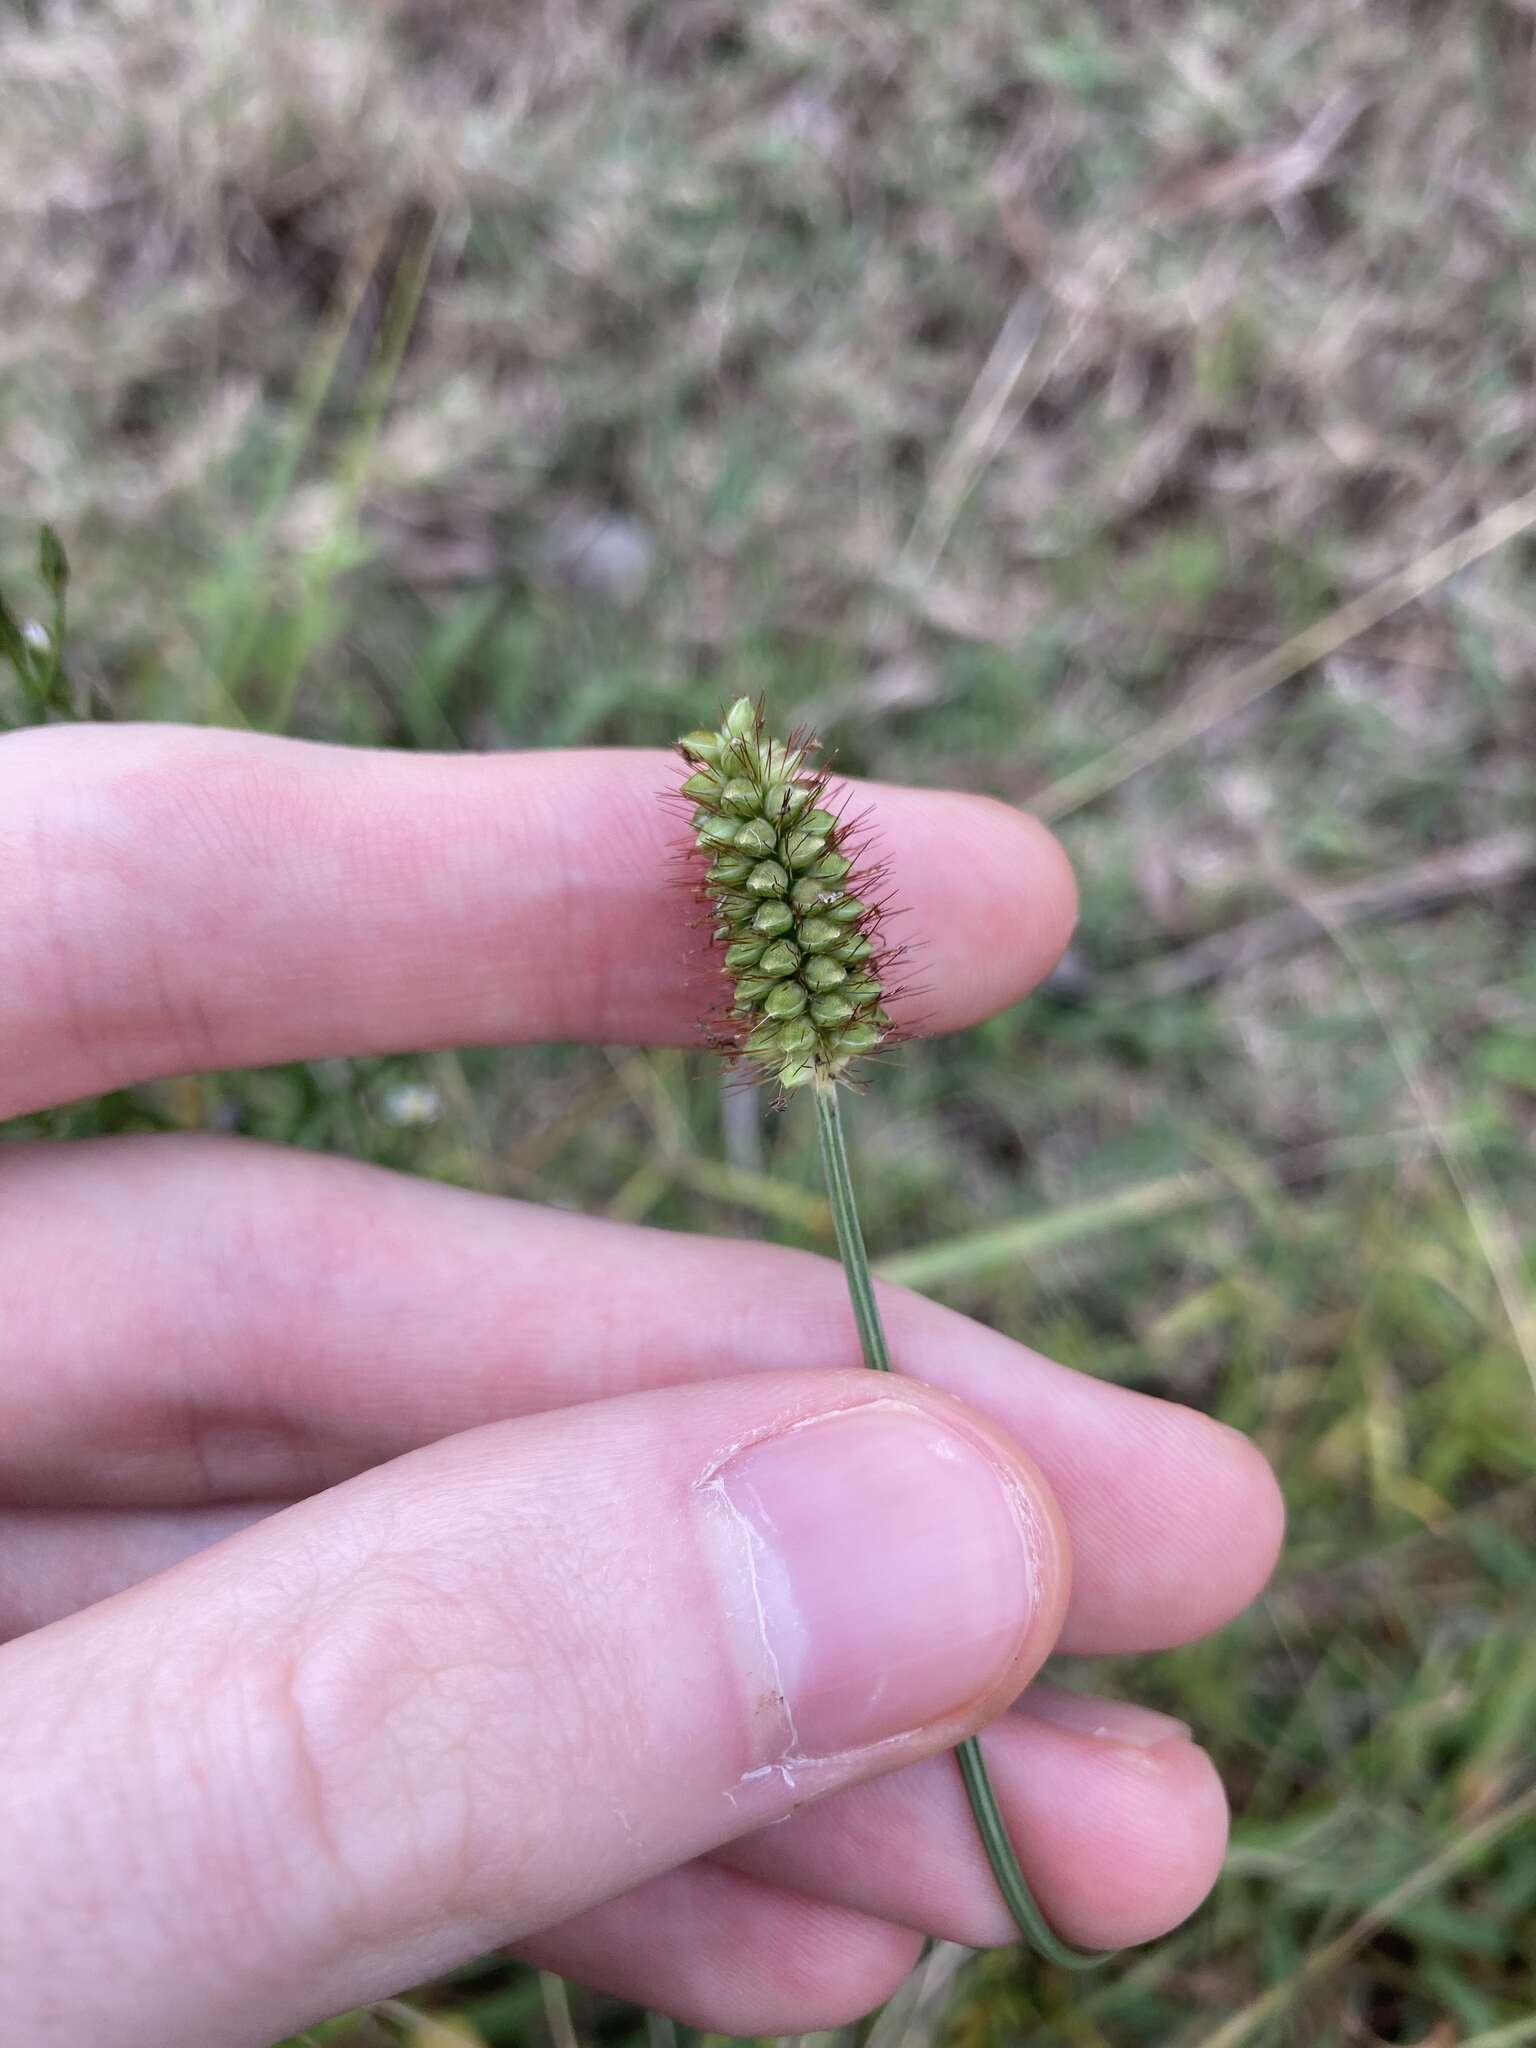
pixel 1017 392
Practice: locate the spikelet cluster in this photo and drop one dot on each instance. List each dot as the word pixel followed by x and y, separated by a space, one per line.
pixel 801 949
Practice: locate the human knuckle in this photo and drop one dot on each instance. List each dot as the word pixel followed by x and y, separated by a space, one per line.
pixel 405 1699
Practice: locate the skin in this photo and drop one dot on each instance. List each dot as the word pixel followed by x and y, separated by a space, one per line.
pixel 388 1572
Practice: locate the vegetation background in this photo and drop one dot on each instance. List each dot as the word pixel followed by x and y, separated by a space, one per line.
pixel 1065 400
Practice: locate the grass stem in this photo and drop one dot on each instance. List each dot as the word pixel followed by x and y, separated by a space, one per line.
pixel 1011 1882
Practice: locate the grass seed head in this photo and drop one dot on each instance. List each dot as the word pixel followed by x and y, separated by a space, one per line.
pixel 800 948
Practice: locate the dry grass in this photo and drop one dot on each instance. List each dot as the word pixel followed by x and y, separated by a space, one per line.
pixel 737 281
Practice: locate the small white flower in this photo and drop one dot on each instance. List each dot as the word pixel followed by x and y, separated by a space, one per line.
pixel 411 1106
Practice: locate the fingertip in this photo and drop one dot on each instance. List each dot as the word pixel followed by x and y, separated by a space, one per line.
pixel 881 1957
pixel 716 1949
pixel 987 897
pixel 1150 1847
pixel 1248 1507
pixel 1120 1826
pixel 1194 1788
pixel 1033 889
pixel 1054 906
pixel 1181 1535
pixel 847 1965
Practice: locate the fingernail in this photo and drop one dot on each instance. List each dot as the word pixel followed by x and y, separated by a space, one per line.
pixel 1109 1720
pixel 893 1576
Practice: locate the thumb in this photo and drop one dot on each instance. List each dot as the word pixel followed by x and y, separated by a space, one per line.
pixel 472 1692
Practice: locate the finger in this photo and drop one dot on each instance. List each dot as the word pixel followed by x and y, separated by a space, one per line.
pixel 470 1695
pixel 174 900
pixel 717 1950
pixel 1118 1819
pixel 1118 1816
pixel 265 1322
pixel 54 1562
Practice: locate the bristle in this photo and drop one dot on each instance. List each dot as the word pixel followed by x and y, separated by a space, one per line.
pixel 792 901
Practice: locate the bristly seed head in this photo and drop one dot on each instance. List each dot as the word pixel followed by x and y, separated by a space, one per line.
pixel 792 928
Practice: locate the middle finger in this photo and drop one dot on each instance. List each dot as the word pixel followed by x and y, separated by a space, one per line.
pixel 193 1320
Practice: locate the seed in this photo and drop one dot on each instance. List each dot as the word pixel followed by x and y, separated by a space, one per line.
pixel 739 796
pixel 784 800
pixel 861 1037
pixel 774 919
pixel 809 894
pixel 757 836
pixel 781 958
pixel 822 974
pixel 776 762
pixel 803 849
pixel 829 1010
pixel 786 999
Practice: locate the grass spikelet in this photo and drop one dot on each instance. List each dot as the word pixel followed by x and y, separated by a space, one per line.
pixel 800 942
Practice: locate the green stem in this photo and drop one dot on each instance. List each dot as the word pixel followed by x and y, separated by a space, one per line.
pixel 1018 1898
pixel 845 1221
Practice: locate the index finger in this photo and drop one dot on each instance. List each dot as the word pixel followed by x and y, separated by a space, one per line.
pixel 176 899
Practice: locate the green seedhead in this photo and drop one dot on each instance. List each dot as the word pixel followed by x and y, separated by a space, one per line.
pixel 801 946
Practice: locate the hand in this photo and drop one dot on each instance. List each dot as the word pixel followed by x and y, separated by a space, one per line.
pixel 388 1572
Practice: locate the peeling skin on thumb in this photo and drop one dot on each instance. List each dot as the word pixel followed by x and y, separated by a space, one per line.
pixel 751 1576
